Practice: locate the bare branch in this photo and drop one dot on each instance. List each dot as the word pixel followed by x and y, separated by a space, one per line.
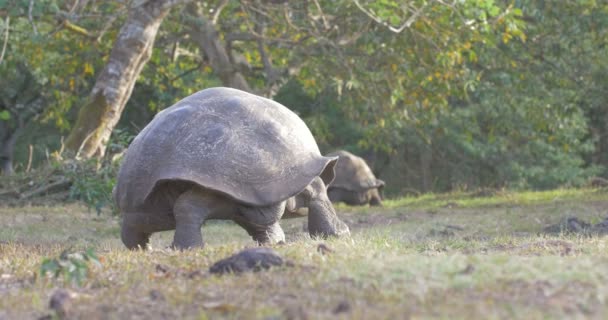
pixel 109 23
pixel 253 35
pixel 218 11
pixel 287 17
pixel 7 20
pixel 171 3
pixel 325 23
pixel 241 36
pixel 185 73
pixel 29 16
pixel 74 6
pixel 405 25
pixel 29 158
pixel 77 29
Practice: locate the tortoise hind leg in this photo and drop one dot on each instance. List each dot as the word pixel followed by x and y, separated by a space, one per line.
pixel 263 235
pixel 191 209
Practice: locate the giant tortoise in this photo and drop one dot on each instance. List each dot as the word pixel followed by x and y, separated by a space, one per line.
pixel 355 183
pixel 222 153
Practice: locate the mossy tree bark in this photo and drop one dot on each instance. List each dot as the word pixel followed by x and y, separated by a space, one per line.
pixel 132 49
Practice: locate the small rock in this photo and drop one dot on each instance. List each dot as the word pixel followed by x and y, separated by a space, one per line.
pixel 447 231
pixel 219 306
pixel 343 306
pixel 194 274
pixel 254 259
pixel 61 302
pixel 600 228
pixel 569 225
pixel 295 313
pixel 156 295
pixel 467 270
pixel 161 269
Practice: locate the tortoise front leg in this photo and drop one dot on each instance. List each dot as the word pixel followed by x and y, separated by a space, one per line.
pixel 137 227
pixel 375 198
pixel 262 223
pixel 133 238
pixel 322 218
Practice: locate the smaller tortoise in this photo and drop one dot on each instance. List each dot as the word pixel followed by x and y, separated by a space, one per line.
pixel 223 153
pixel 355 183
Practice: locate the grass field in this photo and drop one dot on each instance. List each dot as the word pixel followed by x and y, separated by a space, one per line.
pixel 435 256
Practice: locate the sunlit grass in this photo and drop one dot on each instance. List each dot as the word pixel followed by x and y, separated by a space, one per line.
pixel 473 199
pixel 435 256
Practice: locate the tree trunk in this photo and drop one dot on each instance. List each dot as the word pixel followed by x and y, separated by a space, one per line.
pixel 7 147
pixel 426 157
pixel 204 34
pixel 105 104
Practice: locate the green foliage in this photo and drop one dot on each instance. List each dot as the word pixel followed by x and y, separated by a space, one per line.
pixel 324 115
pixel 62 56
pixel 478 93
pixel 119 141
pixel 93 180
pixel 92 184
pixel 73 267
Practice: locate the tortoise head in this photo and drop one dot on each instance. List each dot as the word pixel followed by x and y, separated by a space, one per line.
pixel 322 218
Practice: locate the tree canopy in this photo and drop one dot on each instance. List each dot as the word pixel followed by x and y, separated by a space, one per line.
pixel 436 94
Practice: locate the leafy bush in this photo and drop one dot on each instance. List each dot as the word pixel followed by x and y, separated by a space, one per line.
pixel 92 183
pixel 72 267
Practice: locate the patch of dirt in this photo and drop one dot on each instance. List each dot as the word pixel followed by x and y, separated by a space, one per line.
pixel 568 298
pixel 446 231
pixel 10 283
pixel 538 248
pixel 374 219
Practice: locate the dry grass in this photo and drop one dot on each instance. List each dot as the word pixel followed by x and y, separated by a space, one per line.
pixel 487 261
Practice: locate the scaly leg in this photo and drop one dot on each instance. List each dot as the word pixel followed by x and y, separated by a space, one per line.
pixel 190 211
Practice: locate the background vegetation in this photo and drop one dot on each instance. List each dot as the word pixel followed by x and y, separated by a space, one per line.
pixel 476 97
pixel 437 95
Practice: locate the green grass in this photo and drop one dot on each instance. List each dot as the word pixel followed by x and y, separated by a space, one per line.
pixel 436 256
pixel 501 198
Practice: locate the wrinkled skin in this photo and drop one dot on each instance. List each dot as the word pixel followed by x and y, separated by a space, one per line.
pixel 187 206
pixel 356 198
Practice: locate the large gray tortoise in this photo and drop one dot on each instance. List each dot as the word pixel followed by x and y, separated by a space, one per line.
pixel 355 183
pixel 223 153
